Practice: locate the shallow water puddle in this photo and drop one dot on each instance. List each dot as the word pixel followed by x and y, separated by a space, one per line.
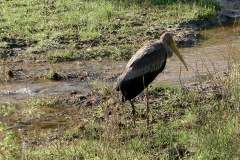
pixel 75 76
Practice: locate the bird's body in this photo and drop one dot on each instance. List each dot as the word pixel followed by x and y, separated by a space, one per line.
pixel 142 69
pixel 145 65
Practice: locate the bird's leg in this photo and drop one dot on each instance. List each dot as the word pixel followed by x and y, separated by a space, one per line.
pixel 148 109
pixel 133 112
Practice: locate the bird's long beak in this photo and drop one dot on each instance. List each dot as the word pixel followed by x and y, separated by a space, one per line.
pixel 176 51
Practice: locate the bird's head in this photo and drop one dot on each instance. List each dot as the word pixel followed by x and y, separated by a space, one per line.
pixel 167 38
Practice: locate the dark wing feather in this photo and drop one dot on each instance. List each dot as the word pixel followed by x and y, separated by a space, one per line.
pixel 150 58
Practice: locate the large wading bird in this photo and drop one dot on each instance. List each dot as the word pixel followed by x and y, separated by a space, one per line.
pixel 143 68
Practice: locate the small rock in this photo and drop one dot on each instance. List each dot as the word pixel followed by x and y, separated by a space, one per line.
pixel 82 97
pixel 10 73
pixel 56 77
pixel 73 93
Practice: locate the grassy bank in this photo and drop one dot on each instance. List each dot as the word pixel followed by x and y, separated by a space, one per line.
pixel 67 30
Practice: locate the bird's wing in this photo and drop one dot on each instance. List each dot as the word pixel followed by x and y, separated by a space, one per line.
pixel 149 58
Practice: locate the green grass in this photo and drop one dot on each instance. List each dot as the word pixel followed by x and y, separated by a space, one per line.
pixel 7 109
pixel 9 146
pixel 35 107
pixel 90 29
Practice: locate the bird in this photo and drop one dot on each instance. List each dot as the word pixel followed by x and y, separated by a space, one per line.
pixel 144 66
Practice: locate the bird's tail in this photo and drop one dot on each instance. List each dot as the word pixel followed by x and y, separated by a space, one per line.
pixel 123 99
pixel 117 86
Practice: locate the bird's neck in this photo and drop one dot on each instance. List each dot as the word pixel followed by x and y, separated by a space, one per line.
pixel 169 50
